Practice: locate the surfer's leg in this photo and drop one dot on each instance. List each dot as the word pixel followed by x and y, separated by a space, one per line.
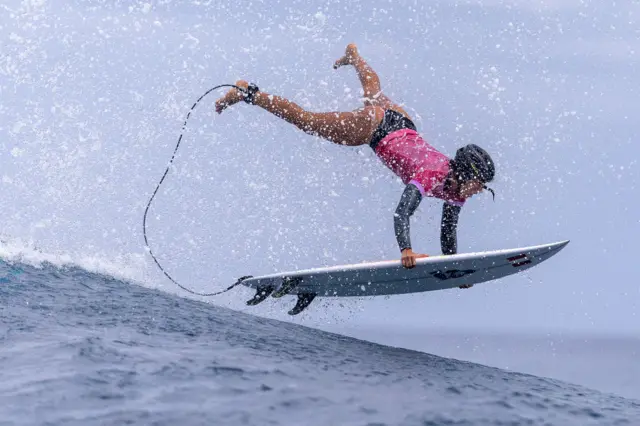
pixel 344 128
pixel 369 80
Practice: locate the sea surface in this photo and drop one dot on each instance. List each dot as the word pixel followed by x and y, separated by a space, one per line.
pixel 81 348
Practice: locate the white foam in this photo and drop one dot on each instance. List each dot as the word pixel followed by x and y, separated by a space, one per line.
pixel 129 267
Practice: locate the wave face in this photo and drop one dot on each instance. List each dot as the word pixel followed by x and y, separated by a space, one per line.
pixel 80 348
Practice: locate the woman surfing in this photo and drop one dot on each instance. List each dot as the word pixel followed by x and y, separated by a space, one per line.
pixel 388 129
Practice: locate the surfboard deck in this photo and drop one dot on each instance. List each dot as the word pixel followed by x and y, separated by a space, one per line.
pixel 390 277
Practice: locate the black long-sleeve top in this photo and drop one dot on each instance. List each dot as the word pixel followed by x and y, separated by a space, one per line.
pixel 408 204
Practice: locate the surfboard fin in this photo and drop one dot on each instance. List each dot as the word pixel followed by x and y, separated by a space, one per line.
pixel 262 292
pixel 288 284
pixel 304 299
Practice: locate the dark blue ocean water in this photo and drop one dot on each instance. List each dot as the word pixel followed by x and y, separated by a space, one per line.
pixel 78 348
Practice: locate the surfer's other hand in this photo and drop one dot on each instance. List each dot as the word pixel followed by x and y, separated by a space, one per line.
pixel 466 286
pixel 408 258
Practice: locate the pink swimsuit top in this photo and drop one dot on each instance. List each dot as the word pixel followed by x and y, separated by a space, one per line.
pixel 418 163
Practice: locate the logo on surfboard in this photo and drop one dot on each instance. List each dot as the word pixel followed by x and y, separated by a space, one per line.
pixel 519 260
pixel 452 273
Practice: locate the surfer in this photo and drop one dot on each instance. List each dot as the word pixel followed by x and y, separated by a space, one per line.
pixel 389 130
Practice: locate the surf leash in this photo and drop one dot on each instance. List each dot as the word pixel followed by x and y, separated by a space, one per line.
pixel 146 210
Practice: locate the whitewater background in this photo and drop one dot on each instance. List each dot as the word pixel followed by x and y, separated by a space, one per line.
pixel 93 96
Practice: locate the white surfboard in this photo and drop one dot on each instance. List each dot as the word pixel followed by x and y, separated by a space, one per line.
pixel 390 277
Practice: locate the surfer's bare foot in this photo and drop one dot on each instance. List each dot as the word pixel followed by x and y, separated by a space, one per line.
pixel 232 97
pixel 350 56
pixel 466 286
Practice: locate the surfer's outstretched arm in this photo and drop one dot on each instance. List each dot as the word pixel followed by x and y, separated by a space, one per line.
pixel 408 204
pixel 344 128
pixel 448 228
pixel 448 233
